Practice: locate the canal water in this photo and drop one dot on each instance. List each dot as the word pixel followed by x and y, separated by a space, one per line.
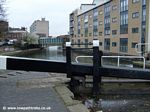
pixel 57 53
pixel 128 97
pixel 50 53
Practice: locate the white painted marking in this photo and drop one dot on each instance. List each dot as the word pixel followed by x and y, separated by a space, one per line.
pixel 95 43
pixel 3 62
pixel 68 44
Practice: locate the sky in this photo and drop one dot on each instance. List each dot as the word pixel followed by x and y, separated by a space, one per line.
pixel 22 13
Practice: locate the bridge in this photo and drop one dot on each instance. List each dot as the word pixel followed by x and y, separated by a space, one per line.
pixel 47 41
pixel 97 70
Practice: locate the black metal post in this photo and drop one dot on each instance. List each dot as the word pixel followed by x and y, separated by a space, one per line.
pixel 96 65
pixel 68 59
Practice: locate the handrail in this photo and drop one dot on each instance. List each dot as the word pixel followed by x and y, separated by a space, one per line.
pixel 140 44
pixel 129 57
pixel 76 59
pixel 118 59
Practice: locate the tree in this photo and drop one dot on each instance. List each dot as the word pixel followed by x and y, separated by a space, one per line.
pixel 2 10
pixel 31 39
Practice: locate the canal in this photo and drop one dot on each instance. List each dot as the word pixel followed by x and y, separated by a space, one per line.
pixel 50 53
pixel 120 97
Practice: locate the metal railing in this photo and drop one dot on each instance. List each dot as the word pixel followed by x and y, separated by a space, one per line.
pixel 118 59
pixel 76 59
pixel 139 46
pixel 125 57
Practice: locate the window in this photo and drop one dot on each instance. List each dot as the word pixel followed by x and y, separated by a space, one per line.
pixel 95 14
pixel 114 7
pixel 107 19
pixel 100 33
pixel 72 42
pixel 79 26
pixel 100 12
pixel 100 23
pixel 86 43
pixel 144 2
pixel 95 28
pixel 144 14
pixel 135 30
pixel 114 32
pixel 135 1
pixel 100 43
pixel 78 42
pixel 86 17
pixel 107 31
pixel 133 44
pixel 123 5
pixel 114 19
pixel 135 15
pixel 114 44
pixel 107 44
pixel 90 34
pixel 123 16
pixel 123 45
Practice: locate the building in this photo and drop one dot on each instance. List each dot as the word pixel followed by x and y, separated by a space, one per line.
pixel 50 41
pixel 64 38
pixel 119 25
pixel 3 30
pixel 17 34
pixel 40 28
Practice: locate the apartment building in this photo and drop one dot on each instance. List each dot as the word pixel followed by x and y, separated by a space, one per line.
pixel 40 28
pixel 119 25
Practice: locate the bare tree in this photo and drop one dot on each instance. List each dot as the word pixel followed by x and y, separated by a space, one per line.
pixel 2 10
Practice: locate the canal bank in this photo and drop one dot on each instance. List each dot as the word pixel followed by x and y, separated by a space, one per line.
pixel 20 52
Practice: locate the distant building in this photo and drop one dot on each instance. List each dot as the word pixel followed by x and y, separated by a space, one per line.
pixel 3 29
pixel 40 28
pixel 17 34
pixel 47 41
pixel 118 24
pixel 65 38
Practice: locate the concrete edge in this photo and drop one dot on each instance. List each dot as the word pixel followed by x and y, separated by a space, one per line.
pixel 68 98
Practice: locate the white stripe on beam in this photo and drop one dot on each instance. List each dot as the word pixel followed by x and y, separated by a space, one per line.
pixel 3 62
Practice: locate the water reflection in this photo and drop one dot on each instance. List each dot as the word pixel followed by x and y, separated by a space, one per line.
pixel 50 53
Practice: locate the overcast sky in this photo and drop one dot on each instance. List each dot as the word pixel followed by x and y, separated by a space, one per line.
pixel 24 12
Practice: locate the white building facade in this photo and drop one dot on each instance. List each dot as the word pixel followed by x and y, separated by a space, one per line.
pixel 40 28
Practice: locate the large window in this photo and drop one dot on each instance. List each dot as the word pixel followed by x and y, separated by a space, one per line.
pixel 107 44
pixel 86 43
pixel 95 22
pixel 123 16
pixel 107 19
pixel 123 5
pixel 123 45
pixel 86 25
pixel 79 27
pixel 144 14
